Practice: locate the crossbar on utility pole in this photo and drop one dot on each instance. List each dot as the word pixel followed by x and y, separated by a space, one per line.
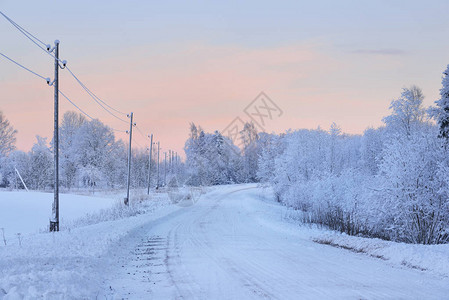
pixel 54 222
pixel 149 163
pixel 129 157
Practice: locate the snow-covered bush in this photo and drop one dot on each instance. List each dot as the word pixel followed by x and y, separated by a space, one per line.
pixel 391 182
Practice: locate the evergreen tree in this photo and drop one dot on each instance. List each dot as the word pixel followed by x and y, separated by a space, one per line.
pixel 443 106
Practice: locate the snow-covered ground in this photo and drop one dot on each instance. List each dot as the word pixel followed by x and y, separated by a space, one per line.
pixel 232 244
pixel 29 212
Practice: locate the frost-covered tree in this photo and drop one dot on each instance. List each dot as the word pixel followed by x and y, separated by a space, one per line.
pixel 41 165
pixel 90 156
pixel 371 149
pixel 15 160
pixel 218 153
pixel 407 112
pixel 140 167
pixel 7 136
pixel 271 147
pixel 442 112
pixel 195 155
pixel 115 167
pixel 414 198
pixel 335 132
pixel 250 152
pixel 391 182
pixel 93 145
pixel 70 124
pixel 211 159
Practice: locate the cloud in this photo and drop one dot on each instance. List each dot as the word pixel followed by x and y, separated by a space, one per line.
pixel 390 51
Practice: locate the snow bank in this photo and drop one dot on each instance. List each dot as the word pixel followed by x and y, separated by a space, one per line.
pixel 432 258
pixel 428 258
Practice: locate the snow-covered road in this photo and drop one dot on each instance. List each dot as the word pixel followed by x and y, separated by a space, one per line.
pixel 233 245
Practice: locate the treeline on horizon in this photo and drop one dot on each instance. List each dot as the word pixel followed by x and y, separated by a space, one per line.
pixel 391 182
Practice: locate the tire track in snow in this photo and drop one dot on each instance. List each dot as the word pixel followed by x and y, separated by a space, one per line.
pixel 247 279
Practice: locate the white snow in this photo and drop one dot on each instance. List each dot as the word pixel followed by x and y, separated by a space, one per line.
pixel 29 212
pixel 232 244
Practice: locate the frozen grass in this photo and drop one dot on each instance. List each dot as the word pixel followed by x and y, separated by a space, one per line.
pixel 140 203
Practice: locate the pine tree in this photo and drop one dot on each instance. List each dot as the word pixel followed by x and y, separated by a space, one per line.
pixel 443 106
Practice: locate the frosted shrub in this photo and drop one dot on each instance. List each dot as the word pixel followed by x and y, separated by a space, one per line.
pixel 391 183
pixel 415 195
pixel 339 205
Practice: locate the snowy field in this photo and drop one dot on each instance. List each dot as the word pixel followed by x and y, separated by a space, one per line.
pixel 234 243
pixel 29 212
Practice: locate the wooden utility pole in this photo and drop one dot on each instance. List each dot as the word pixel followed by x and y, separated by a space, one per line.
pixel 158 149
pixel 54 222
pixel 165 169
pixel 169 161
pixel 129 157
pixel 149 163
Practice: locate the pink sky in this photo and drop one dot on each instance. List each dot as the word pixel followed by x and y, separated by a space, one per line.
pixel 171 86
pixel 176 62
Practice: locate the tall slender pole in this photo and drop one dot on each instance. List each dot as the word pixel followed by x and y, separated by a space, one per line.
pixel 175 169
pixel 158 148
pixel 165 169
pixel 54 223
pixel 169 161
pixel 149 163
pixel 15 182
pixel 129 157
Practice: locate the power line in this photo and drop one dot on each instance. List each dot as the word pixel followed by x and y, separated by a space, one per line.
pixel 141 133
pixel 77 107
pixel 21 28
pixel 138 143
pixel 31 37
pixel 83 112
pixel 96 99
pixel 47 50
pixel 117 130
pixel 25 68
pixel 48 81
pixel 82 84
